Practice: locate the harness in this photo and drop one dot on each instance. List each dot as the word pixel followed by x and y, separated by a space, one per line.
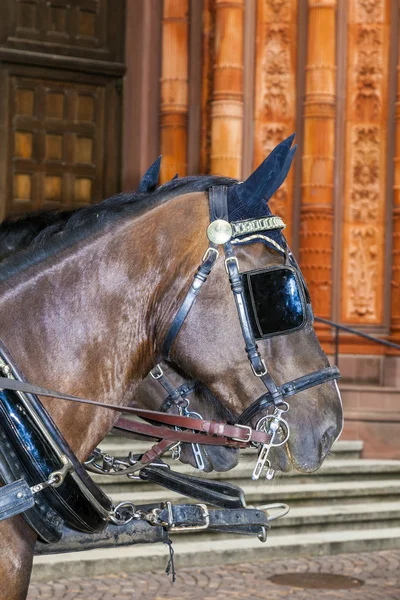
pixel 45 481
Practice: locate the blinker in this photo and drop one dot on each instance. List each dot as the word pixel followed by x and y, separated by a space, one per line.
pixel 219 231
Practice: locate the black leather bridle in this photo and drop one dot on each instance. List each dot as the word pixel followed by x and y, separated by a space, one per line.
pixel 275 395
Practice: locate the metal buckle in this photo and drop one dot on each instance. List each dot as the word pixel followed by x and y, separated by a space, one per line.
pixel 183 528
pixel 265 372
pixel 231 258
pixel 157 374
pixel 249 430
pixel 208 251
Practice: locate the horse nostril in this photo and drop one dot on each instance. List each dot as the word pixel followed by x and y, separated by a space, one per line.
pixel 327 440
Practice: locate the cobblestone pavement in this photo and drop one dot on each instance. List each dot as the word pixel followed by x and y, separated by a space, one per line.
pixel 379 572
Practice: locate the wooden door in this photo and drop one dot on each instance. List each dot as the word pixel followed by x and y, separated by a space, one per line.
pixel 60 102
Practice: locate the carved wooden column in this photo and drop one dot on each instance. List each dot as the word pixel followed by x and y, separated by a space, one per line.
pixel 366 162
pixel 395 313
pixel 174 88
pixel 227 97
pixel 318 159
pixel 275 90
pixel 207 84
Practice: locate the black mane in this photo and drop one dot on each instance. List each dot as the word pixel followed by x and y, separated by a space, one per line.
pixel 65 228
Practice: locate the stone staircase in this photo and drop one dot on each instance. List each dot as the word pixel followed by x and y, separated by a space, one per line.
pixel 349 505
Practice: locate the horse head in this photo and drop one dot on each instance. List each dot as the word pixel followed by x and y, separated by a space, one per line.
pixel 208 343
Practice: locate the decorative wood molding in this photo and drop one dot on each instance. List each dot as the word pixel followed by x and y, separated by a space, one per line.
pixel 227 96
pixel 275 91
pixel 207 84
pixel 395 312
pixel 174 88
pixel 366 162
pixel 316 211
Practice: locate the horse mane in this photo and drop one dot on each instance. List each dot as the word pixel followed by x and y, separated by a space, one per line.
pixel 58 230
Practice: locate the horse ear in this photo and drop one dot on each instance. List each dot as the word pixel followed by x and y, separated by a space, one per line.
pixel 150 179
pixel 261 183
pixel 176 176
pixel 283 174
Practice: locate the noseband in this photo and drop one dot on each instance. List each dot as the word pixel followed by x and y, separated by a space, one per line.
pixel 220 232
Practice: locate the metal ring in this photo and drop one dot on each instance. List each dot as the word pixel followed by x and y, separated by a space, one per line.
pixel 285 423
pixel 266 507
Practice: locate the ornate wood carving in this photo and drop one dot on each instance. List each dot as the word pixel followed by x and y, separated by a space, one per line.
pixel 366 129
pixel 174 88
pixel 395 313
pixel 227 97
pixel 207 81
pixel 275 90
pixel 318 158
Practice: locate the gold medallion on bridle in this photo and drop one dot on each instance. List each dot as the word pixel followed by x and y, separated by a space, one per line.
pixel 219 231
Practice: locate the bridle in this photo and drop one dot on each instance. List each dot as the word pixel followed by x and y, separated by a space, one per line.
pixel 220 232
pixel 201 431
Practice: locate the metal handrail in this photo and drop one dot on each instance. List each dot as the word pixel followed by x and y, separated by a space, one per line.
pixel 338 327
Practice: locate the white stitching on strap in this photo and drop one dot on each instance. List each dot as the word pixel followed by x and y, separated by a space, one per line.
pixel 259 236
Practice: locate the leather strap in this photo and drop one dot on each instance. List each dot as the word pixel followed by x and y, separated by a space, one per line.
pixel 200 277
pixel 242 520
pixel 290 389
pixel 218 202
pixel 225 434
pixel 218 493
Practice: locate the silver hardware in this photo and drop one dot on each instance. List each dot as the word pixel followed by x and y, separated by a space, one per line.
pixel 184 528
pixel 197 453
pixel 157 372
pixel 232 259
pixel 56 478
pixel 263 535
pixel 249 433
pixel 270 424
pixel 20 495
pixel 198 457
pixel 96 463
pixel 219 231
pixel 267 507
pixel 176 451
pixel 208 251
pixel 264 372
pixel 116 517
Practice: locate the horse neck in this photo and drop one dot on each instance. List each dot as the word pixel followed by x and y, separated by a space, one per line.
pixel 87 321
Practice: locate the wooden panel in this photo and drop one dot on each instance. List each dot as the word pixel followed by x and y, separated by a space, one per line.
pixel 275 91
pixel 227 97
pixel 366 162
pixel 395 316
pixel 318 155
pixel 174 89
pixel 53 157
pixel 84 28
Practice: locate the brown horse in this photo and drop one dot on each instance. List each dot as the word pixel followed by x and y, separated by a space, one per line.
pixel 20 231
pixel 87 314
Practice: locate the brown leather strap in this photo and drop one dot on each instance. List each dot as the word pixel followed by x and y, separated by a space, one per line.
pixel 212 432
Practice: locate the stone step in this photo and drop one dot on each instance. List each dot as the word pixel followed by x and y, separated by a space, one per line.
pixel 211 552
pixel 306 494
pixel 331 471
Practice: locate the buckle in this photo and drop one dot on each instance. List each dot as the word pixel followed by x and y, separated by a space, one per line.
pixel 157 372
pixel 232 259
pixel 256 373
pixel 183 528
pixel 249 430
pixel 208 252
